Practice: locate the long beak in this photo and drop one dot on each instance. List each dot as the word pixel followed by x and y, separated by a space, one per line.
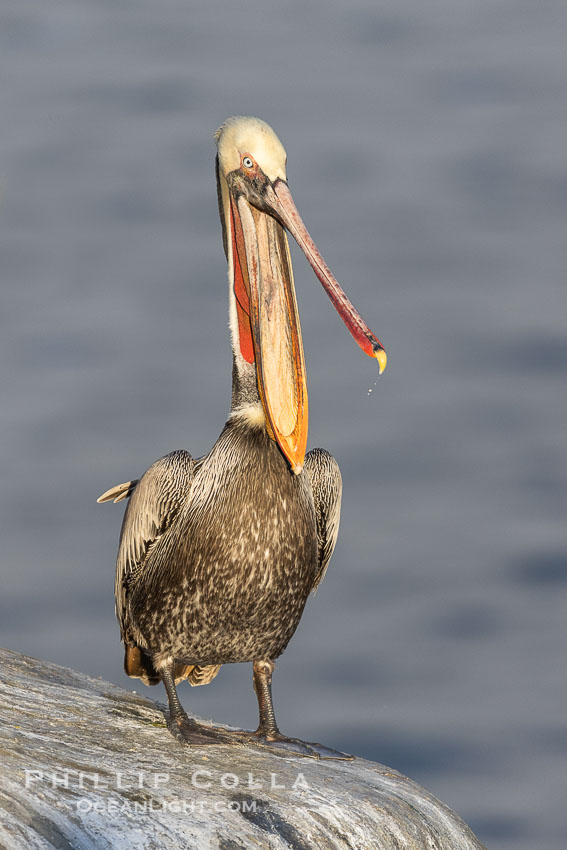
pixel 267 311
pixel 279 199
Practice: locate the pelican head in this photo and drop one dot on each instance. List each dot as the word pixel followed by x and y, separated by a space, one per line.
pixel 240 136
pixel 255 206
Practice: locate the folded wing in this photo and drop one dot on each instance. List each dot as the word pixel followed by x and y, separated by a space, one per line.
pixel 326 482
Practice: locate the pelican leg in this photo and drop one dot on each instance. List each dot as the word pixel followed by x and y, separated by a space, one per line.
pixel 181 726
pixel 268 735
pixel 262 680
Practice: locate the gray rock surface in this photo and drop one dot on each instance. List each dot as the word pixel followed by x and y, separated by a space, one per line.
pixel 85 764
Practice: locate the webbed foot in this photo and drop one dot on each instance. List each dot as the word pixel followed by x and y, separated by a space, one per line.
pixel 288 746
pixel 297 747
pixel 187 731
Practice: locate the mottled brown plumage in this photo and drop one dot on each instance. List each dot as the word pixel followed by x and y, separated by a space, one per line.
pixel 227 569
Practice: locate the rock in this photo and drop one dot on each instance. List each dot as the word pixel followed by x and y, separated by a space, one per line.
pixel 88 765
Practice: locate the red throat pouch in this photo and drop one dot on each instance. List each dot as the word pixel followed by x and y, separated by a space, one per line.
pixel 240 292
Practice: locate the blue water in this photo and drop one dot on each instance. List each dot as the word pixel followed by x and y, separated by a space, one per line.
pixel 427 154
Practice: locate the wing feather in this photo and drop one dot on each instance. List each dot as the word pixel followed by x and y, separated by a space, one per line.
pixel 121 491
pixel 326 483
pixel 154 503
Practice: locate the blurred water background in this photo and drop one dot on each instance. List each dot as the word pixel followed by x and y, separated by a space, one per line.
pixel 428 156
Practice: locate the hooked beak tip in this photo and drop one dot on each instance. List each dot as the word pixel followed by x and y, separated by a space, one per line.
pixel 382 359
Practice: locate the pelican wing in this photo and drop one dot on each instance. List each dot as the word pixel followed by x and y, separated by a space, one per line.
pixel 323 471
pixel 154 503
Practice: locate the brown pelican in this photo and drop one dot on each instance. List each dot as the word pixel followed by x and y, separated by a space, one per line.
pixel 218 554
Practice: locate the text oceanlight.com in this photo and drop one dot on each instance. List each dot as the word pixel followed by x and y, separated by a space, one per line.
pixel 176 806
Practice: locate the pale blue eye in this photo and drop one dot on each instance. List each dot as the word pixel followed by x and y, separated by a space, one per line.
pixel 247 162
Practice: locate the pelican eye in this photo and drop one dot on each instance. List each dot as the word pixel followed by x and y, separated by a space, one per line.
pixel 248 162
